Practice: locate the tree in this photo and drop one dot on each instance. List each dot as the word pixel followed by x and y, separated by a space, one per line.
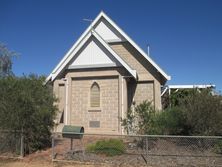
pixel 6 61
pixel 27 105
pixel 176 96
pixel 203 112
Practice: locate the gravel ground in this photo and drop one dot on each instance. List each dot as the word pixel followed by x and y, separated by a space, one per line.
pixel 65 158
pixel 118 161
pixel 143 160
pixel 183 156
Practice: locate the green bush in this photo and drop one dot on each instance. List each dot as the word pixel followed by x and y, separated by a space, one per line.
pixel 203 113
pixel 27 105
pixel 109 147
pixel 129 121
pixel 145 116
pixel 141 120
pixel 145 120
pixel 170 122
pixel 192 112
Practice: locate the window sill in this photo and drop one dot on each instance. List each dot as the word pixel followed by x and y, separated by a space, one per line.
pixel 94 109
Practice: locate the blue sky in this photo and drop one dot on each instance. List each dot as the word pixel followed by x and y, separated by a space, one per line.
pixel 185 36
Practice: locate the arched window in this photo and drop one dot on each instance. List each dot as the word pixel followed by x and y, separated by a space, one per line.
pixel 95 95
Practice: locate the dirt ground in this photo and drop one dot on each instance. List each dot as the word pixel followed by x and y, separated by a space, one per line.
pixel 39 163
pixel 44 159
pixel 39 160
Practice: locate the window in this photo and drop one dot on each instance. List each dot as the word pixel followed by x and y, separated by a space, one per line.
pixel 95 95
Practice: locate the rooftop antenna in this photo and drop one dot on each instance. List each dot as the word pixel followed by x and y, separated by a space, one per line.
pixel 88 20
pixel 148 50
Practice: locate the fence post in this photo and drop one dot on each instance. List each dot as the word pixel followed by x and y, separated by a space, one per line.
pixel 22 145
pixel 147 147
pixel 53 145
pixel 71 147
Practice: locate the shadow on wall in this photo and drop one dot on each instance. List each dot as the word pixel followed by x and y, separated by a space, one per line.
pixel 131 89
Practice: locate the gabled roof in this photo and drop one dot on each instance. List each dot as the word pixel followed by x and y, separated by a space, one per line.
pixel 85 36
pixel 72 52
pixel 102 14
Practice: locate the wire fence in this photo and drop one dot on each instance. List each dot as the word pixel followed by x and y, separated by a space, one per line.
pixel 11 144
pixel 139 150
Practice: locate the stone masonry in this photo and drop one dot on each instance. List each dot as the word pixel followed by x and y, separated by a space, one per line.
pixel 106 115
pixel 144 91
pixel 148 87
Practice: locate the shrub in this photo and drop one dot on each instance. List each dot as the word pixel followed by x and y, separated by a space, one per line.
pixel 193 112
pixel 109 147
pixel 170 122
pixel 203 112
pixel 129 122
pixel 27 105
pixel 141 120
pixel 145 116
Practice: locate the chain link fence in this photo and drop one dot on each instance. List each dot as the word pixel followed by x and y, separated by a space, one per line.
pixel 141 150
pixel 11 144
